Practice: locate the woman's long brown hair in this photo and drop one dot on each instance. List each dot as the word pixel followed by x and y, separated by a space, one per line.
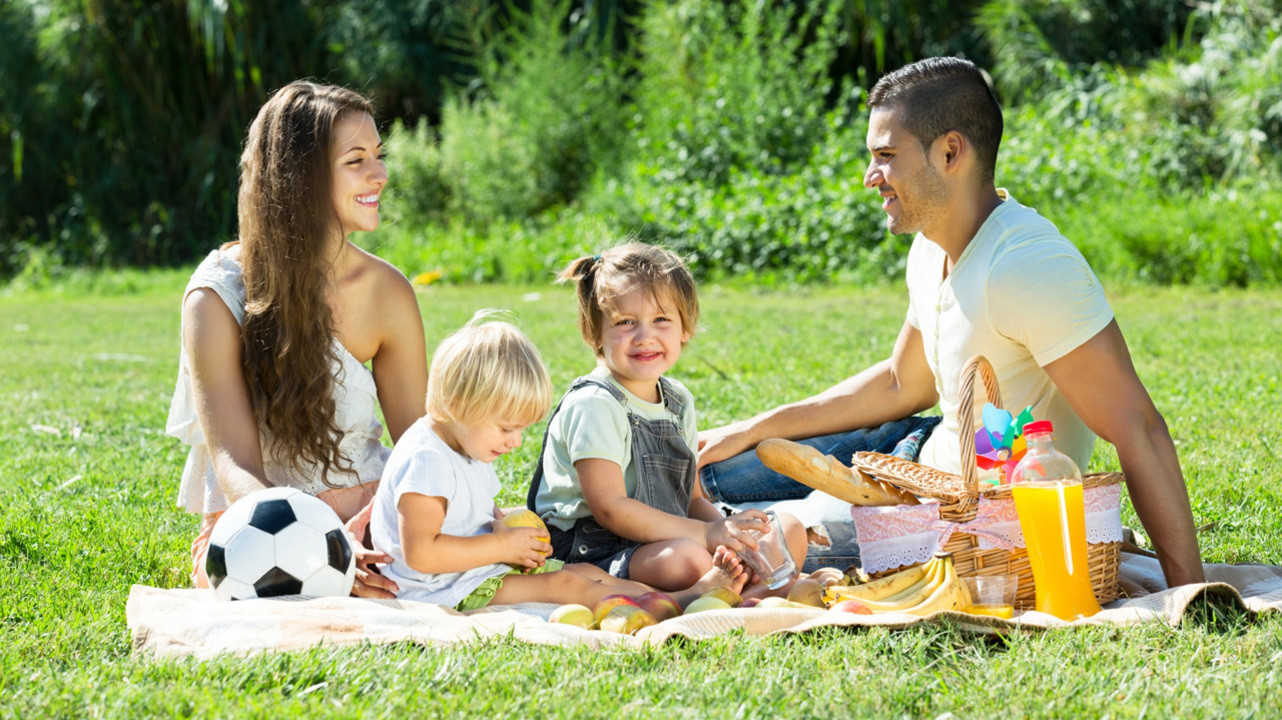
pixel 287 222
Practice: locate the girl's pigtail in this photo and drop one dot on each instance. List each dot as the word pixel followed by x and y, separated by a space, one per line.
pixel 582 272
pixel 579 270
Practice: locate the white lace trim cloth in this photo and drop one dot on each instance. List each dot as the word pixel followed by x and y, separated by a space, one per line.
pixel 891 537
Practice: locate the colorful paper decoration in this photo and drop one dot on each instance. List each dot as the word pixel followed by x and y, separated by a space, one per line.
pixel 1000 442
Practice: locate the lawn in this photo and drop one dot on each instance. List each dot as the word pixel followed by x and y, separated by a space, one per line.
pixel 88 480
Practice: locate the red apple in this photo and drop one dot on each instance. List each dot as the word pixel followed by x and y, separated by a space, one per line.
pixel 660 605
pixel 852 606
pixel 608 603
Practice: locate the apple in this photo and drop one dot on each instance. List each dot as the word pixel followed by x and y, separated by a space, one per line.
pixel 725 595
pixel 851 606
pixel 707 602
pixel 778 602
pixel 750 602
pixel 626 620
pixel 660 605
pixel 807 592
pixel 608 603
pixel 573 614
pixel 527 518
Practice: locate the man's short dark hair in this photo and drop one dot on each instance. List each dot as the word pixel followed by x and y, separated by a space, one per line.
pixel 939 94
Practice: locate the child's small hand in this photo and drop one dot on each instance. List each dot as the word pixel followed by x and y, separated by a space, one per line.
pixel 735 532
pixel 523 546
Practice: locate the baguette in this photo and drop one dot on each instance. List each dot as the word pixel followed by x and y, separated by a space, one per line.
pixel 812 468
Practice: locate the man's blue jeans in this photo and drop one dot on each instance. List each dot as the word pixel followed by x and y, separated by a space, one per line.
pixel 744 480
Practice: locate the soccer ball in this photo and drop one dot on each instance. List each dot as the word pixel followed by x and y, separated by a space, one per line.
pixel 279 541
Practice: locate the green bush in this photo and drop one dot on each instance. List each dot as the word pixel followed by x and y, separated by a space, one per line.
pixel 419 193
pixel 735 86
pixel 547 117
pixel 816 224
pixel 1036 45
pixel 121 122
pixel 504 250
pixel 736 162
pixel 1150 131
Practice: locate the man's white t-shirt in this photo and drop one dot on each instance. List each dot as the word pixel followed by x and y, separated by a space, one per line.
pixel 1022 296
pixel 422 463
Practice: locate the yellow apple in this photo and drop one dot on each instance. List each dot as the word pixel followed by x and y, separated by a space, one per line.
pixel 725 595
pixel 573 614
pixel 707 602
pixel 807 592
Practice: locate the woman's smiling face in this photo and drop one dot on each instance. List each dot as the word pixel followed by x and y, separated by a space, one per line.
pixel 359 172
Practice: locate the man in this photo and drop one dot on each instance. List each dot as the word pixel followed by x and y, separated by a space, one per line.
pixel 987 276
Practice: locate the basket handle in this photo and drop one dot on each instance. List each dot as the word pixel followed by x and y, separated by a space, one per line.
pixel 976 366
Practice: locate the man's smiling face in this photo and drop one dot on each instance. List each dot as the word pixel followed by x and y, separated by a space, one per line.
pixel 914 195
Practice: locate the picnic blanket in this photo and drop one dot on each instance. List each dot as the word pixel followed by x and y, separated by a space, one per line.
pixel 192 623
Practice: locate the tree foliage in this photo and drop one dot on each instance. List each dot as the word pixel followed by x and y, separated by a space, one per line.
pixel 729 127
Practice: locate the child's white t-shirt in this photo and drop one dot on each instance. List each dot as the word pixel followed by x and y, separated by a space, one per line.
pixel 422 463
pixel 1022 296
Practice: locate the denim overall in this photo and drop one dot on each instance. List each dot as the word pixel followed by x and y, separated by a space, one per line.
pixel 665 470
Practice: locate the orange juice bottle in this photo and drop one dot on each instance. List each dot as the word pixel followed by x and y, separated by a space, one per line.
pixel 1047 488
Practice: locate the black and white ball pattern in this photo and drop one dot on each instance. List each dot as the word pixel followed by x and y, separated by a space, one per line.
pixel 279 541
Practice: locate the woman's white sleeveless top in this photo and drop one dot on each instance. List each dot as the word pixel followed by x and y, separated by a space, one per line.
pixel 355 403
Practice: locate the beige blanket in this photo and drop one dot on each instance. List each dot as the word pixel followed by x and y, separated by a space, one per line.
pixel 192 623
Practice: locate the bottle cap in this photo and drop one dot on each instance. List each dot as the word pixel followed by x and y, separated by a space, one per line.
pixel 1038 426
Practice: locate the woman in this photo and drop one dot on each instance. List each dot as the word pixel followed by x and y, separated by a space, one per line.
pixel 277 328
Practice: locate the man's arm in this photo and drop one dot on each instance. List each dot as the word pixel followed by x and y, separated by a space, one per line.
pixel 890 390
pixel 1100 383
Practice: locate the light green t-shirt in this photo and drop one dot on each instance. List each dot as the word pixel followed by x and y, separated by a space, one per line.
pixel 592 424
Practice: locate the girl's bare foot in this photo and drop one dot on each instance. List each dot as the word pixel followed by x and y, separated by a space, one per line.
pixel 728 571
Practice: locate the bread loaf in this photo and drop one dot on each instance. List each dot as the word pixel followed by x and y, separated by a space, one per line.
pixel 813 469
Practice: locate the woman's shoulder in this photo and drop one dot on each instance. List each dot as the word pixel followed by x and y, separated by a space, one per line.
pixel 372 271
pixel 378 288
pixel 221 273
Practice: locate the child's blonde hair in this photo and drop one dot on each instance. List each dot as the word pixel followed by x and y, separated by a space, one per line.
pixel 601 279
pixel 488 369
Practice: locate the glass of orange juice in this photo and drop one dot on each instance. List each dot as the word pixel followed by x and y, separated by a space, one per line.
pixel 992 595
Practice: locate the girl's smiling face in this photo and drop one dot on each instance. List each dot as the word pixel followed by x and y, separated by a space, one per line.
pixel 641 339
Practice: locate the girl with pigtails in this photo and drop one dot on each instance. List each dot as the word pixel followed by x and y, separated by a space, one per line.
pixel 616 482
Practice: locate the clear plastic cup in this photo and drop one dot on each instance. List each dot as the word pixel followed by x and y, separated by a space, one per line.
pixel 992 595
pixel 771 560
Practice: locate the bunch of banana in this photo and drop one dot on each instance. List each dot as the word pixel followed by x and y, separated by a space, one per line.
pixel 919 590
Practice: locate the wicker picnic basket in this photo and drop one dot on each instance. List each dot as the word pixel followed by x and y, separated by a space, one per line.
pixel 959 500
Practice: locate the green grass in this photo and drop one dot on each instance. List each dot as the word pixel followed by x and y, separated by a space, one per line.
pixel 89 510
